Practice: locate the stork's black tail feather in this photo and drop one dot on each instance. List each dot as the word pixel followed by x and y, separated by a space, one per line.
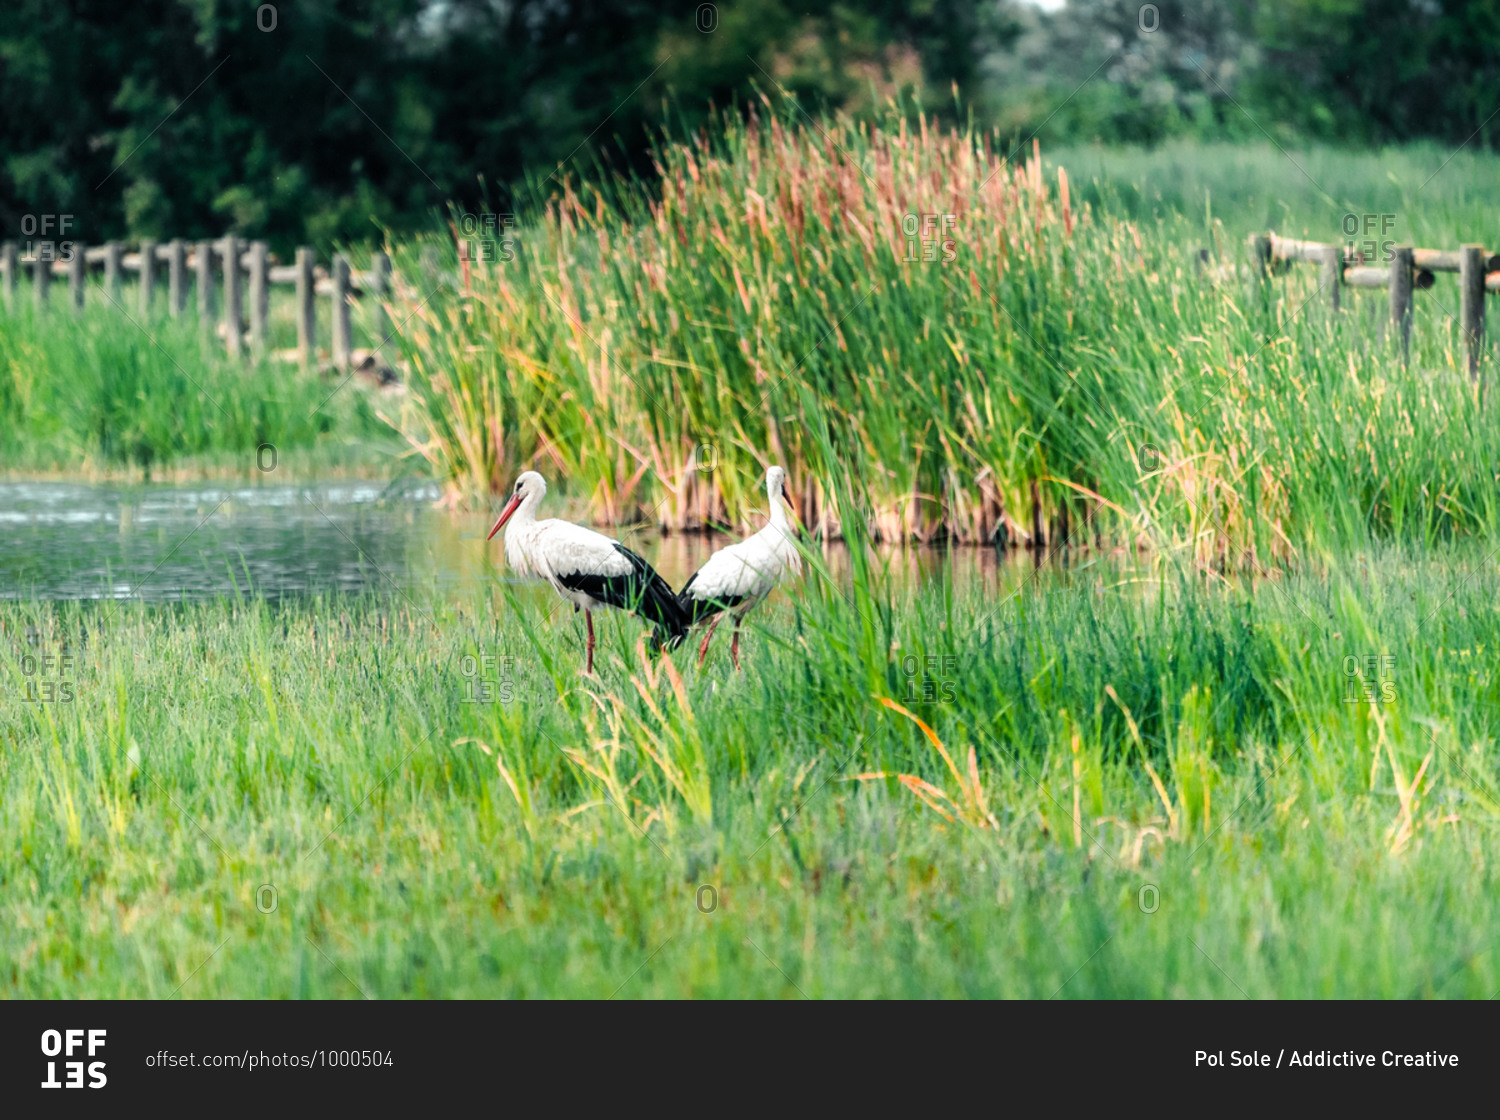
pixel 696 609
pixel 655 602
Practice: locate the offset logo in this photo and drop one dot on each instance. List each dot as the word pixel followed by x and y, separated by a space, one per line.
pixel 68 1043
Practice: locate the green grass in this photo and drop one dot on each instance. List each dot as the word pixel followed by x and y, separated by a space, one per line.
pixel 329 750
pixel 109 393
pixel 1437 197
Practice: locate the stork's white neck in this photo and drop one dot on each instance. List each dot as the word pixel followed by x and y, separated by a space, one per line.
pixel 778 508
pixel 518 534
pixel 525 515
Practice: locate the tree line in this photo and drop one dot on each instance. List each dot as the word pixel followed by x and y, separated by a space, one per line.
pixel 333 120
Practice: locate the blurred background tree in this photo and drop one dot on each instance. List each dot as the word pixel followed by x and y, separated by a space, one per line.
pixel 327 120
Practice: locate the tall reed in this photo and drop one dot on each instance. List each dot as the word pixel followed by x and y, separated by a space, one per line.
pixel 991 355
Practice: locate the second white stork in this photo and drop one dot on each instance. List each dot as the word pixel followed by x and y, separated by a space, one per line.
pixel 738 577
pixel 586 568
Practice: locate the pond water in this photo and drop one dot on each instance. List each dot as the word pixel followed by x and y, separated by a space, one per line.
pixel 169 543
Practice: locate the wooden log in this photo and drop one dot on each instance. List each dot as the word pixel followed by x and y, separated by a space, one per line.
pixel 1471 276
pixel 1332 275
pixel 41 274
pixel 1400 288
pixel 112 252
pixel 148 276
pixel 1290 249
pixel 203 268
pixel 1368 276
pixel 380 291
pixel 260 295
pixel 1451 260
pixel 78 274
pixel 234 323
pixel 288 274
pixel 1436 260
pixel 176 277
pixel 341 331
pixel 307 304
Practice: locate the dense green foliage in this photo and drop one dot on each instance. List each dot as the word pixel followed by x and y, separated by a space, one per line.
pixel 1160 785
pixel 170 118
pixel 327 120
pixel 977 334
pixel 1342 71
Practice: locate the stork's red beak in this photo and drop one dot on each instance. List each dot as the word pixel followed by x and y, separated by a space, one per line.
pixel 510 508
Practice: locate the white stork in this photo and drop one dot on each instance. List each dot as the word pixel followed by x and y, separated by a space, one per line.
pixel 739 576
pixel 586 568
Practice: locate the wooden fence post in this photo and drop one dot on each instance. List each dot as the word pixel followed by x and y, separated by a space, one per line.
pixel 41 274
pixel 1471 303
pixel 112 271
pixel 10 261
pixel 233 300
pixel 78 274
pixel 148 276
pixel 1333 273
pixel 1260 253
pixel 341 334
pixel 260 295
pixel 1401 265
pixel 307 308
pixel 176 278
pixel 204 269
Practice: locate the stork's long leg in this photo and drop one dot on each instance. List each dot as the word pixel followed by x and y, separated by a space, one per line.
pixel 588 617
pixel 708 637
pixel 734 645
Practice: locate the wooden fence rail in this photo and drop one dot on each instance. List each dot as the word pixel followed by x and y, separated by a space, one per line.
pixel 236 267
pixel 1409 270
